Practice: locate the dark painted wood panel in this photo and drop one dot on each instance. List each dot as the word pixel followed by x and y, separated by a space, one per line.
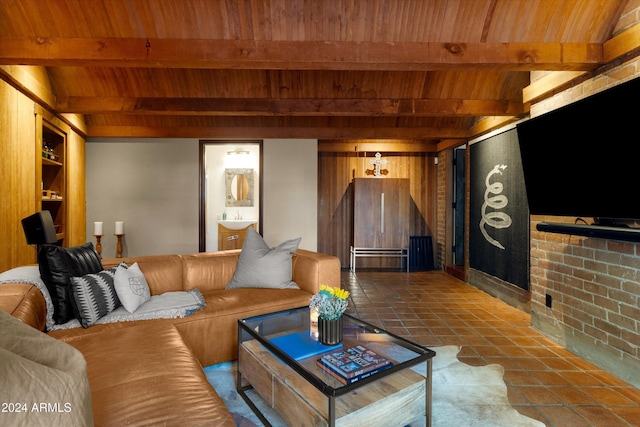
pixel 335 199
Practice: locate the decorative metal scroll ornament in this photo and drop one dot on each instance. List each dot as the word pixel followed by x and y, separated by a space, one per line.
pixel 494 219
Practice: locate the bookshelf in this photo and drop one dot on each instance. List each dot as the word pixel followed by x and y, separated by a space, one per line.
pixel 52 180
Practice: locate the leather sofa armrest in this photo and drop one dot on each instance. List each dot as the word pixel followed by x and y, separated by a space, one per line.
pixel 312 269
pixel 25 302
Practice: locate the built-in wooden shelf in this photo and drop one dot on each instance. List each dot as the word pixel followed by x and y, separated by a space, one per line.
pixel 52 177
pixel 49 162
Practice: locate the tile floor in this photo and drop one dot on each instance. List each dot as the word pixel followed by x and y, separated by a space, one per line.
pixel 545 381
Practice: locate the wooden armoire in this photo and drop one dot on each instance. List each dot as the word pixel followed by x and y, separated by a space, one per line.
pixel 381 217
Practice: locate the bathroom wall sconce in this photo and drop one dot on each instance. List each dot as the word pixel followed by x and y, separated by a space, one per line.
pixel 238 158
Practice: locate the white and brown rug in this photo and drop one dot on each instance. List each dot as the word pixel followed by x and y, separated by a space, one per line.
pixel 463 395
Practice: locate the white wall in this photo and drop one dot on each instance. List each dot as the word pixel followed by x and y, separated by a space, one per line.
pixel 291 191
pixel 152 185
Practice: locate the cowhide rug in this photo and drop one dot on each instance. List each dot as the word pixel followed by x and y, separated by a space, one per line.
pixel 463 395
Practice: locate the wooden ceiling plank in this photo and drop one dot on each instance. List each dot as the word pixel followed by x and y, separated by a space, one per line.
pixel 289 107
pixel 296 55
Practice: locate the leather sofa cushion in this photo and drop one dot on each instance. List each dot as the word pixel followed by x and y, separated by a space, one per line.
pixel 147 375
pixel 163 273
pixel 209 271
pixel 212 333
pixel 57 266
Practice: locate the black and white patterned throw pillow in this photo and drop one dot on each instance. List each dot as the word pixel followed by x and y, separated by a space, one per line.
pixel 95 296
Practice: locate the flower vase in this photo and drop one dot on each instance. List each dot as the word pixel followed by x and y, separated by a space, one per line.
pixel 330 331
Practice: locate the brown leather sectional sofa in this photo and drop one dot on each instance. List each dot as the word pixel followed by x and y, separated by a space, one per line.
pixel 150 372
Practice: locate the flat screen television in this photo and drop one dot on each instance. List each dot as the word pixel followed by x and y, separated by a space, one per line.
pixel 583 160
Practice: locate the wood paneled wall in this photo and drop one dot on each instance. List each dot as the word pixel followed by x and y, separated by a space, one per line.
pixel 335 209
pixel 76 233
pixel 17 175
pixel 19 155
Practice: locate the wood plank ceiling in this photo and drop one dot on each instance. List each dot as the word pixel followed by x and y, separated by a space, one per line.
pixel 419 71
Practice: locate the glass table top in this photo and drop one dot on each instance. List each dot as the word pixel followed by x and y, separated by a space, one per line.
pixel 286 333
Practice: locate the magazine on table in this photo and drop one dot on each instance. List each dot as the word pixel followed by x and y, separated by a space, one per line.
pixel 353 364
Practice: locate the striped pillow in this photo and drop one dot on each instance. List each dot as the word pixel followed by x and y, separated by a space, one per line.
pixel 95 296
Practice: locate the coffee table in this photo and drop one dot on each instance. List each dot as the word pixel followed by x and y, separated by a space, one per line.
pixel 304 394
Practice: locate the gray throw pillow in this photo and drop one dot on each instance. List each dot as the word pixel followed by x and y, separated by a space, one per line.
pixel 259 266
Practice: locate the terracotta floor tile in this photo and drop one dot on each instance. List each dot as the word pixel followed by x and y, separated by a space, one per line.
pixel 531 364
pixel 631 414
pixel 608 396
pixel 515 397
pixel 500 341
pixel 520 378
pixel 574 395
pixel 474 340
pixel 507 362
pixel 559 364
pixel 581 378
pixel 599 416
pixel 472 361
pixel 540 395
pixel 524 341
pixel 549 378
pixel 515 351
pixel 562 416
pixel 629 391
pixel 544 381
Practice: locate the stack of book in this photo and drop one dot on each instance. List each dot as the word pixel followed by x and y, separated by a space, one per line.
pixel 353 364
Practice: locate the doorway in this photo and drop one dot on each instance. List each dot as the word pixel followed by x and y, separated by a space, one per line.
pixel 230 187
pixel 459 191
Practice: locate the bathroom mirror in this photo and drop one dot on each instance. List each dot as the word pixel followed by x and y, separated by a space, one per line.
pixel 239 187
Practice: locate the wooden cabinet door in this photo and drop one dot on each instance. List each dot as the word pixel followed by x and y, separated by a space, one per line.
pixel 231 239
pixel 381 212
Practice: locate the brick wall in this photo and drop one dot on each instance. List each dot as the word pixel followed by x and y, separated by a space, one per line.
pixel 441 209
pixel 594 284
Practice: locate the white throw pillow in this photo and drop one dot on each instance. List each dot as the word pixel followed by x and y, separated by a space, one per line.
pixel 131 286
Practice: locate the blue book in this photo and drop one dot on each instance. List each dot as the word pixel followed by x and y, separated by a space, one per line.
pixel 301 344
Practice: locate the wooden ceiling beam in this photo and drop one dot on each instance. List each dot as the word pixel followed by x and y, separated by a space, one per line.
pixel 418 133
pixel 447 144
pixel 289 107
pixel 619 47
pixel 297 55
pixel 622 44
pixel 386 146
pixel 489 124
